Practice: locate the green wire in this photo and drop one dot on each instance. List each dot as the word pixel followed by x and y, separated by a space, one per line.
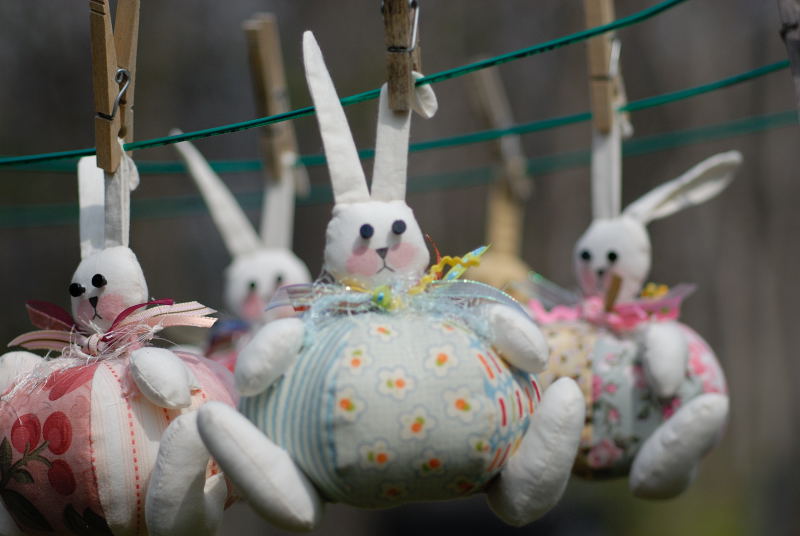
pixel 365 96
pixel 229 166
pixel 171 207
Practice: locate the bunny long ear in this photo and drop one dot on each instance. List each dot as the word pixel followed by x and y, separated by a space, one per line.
pixel 699 184
pixel 607 172
pixel 118 187
pixel 237 232
pixel 390 171
pixel 277 212
pixel 347 175
pixel 91 199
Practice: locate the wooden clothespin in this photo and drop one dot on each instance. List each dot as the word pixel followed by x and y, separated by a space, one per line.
pixel 284 178
pixel 601 84
pixel 790 33
pixel 401 22
pixel 607 94
pixel 502 265
pixel 113 76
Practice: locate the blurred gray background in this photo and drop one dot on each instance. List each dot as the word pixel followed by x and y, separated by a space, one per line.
pixel 740 249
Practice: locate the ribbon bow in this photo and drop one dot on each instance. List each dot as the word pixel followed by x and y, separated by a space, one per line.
pixel 131 328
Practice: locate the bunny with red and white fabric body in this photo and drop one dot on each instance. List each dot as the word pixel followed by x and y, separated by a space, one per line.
pixel 100 436
pixel 393 386
pixel 656 398
pixel 262 262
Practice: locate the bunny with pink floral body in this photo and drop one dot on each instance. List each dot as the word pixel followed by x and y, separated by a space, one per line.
pixel 656 397
pixel 99 436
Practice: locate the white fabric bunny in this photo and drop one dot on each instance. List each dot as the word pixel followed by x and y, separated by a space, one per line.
pixel 102 438
pixel 386 390
pixel 261 264
pixel 656 396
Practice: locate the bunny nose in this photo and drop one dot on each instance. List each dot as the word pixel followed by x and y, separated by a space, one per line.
pixel 93 301
pixel 601 272
pixel 382 252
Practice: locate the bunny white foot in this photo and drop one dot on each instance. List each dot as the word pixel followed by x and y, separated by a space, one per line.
pixel 666 352
pixel 518 339
pixel 162 377
pixel 667 461
pixel 7 525
pixel 536 475
pixel 179 499
pixel 13 365
pixel 267 357
pixel 268 478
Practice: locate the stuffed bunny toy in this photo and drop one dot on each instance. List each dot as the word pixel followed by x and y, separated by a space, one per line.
pixel 261 264
pixel 656 398
pixel 100 436
pixel 391 387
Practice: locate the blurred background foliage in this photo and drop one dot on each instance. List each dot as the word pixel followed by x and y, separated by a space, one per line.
pixel 741 249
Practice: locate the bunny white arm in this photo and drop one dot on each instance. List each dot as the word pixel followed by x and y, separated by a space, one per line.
pixel 179 498
pixel 269 355
pixel 162 377
pixel 667 461
pixel 537 474
pixel 517 338
pixel 274 485
pixel 13 365
pixel 665 354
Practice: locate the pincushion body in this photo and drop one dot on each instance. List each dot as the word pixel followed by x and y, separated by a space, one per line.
pixel 79 445
pixel 383 408
pixel 621 408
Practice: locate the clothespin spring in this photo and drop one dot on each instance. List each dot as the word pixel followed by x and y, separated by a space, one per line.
pixel 122 77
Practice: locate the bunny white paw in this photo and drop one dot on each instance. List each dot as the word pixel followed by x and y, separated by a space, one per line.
pixel 535 477
pixel 162 377
pixel 265 474
pixel 269 355
pixel 666 352
pixel 518 339
pixel 667 461
pixel 179 498
pixel 7 525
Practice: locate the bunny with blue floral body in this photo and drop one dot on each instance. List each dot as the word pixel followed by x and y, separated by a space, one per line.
pixel 393 386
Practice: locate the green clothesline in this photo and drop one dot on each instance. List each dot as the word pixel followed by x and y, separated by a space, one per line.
pixel 231 166
pixel 170 207
pixel 367 95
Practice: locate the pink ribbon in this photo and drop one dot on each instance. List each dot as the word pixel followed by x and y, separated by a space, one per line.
pixel 623 317
pixel 131 328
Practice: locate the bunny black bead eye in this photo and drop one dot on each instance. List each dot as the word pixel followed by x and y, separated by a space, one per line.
pixel 612 256
pixel 585 255
pixel 99 281
pixel 399 227
pixel 252 285
pixel 278 280
pixel 366 231
pixel 76 289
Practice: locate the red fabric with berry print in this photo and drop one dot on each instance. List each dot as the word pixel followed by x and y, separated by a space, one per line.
pixel 48 479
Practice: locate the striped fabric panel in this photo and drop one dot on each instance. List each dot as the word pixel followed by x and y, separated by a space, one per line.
pixel 297 412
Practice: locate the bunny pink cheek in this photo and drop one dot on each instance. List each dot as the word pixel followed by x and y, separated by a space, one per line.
pixel 363 262
pixel 588 281
pixel 253 307
pixel 401 255
pixel 110 305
